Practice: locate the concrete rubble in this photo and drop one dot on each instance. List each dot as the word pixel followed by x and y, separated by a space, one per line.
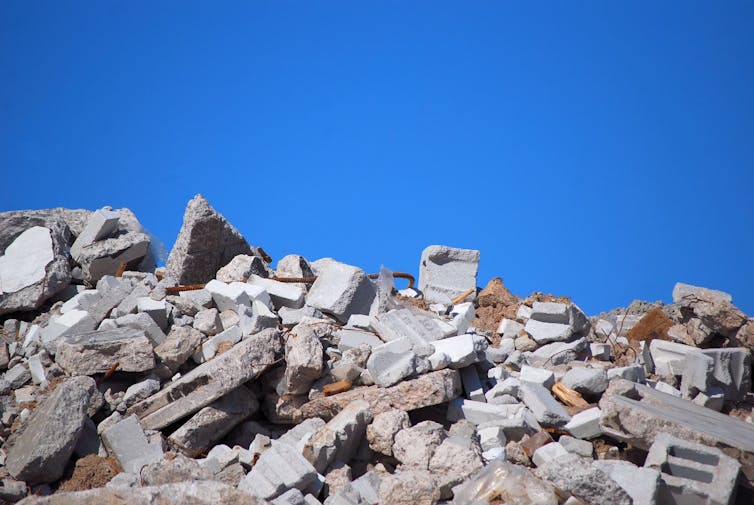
pixel 214 380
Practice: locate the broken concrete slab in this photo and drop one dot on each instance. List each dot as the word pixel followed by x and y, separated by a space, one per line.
pixel 666 358
pixel 144 322
pixel 350 339
pixel 409 487
pixel 414 446
pixel 216 420
pixel 282 294
pixel 303 357
pixel 100 225
pixel 480 412
pixel 33 261
pixel 70 323
pixel 460 351
pixel 178 346
pixel 727 370
pixel 98 351
pixel 641 484
pixel 691 472
pixel 206 242
pixel 211 380
pixel 39 452
pixel 198 492
pixel 400 323
pixel 682 292
pixel 382 430
pixel 576 475
pixel 637 414
pixel 430 389
pixel 453 461
pixel 585 424
pixel 279 468
pixel 156 309
pixel 544 333
pixel 546 409
pixel 389 363
pixel 446 272
pixel 341 290
pixel 339 439
pixel 104 257
pixel 128 444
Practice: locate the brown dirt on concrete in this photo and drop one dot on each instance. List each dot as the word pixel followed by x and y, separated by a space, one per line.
pixel 654 325
pixel 90 472
pixel 495 302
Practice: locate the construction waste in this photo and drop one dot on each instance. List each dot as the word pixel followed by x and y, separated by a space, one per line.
pixel 224 379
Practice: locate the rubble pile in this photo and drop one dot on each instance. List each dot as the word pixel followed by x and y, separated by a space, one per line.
pixel 222 379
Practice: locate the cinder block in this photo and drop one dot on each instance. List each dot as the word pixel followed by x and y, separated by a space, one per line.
pixel 691 472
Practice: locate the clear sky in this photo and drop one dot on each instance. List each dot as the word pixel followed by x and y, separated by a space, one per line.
pixel 602 150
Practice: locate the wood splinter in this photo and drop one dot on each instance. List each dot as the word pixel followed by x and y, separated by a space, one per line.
pixel 336 387
pixel 569 396
pixel 462 296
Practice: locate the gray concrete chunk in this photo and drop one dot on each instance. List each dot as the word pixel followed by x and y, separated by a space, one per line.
pixel 98 351
pixel 39 452
pixel 206 242
pixel 101 224
pixel 128 444
pixel 341 290
pixel 216 420
pixel 339 439
pixel 546 409
pixel 446 272
pixel 279 468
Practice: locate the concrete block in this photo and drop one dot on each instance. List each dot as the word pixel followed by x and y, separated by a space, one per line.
pixel 352 339
pixel 585 424
pixel 683 291
pixel 446 272
pixel 641 484
pixel 510 386
pixel 480 412
pixel 400 323
pixel 588 381
pixel 141 390
pixel 278 469
pixel 559 353
pixel 97 351
pixel 576 446
pixel 142 322
pixel 547 453
pixel 74 321
pixel 544 333
pixel 667 388
pixel 282 294
pixel 550 312
pixel 491 437
pixel 256 318
pixel 291 317
pixel 368 486
pixel 128 444
pixel 509 328
pixel 546 409
pixel 539 376
pixel 200 297
pixel 668 358
pixel 523 313
pixel 601 352
pixel 208 321
pixel 17 376
pixel 726 369
pixel 691 472
pixel 461 351
pixel 37 371
pixel 210 347
pixel 156 309
pixel 471 384
pixel 341 290
pixel 461 316
pixel 129 304
pixel 81 301
pixel 391 362
pixel 101 224
pixel 228 296
pixel 633 373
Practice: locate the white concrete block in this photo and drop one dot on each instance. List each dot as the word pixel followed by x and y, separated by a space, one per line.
pixel 156 309
pixel 543 333
pixel 540 376
pixel 282 294
pixel 446 272
pixel 509 328
pixel 462 350
pixel 548 452
pixel 585 424
pixel 471 384
pixel 100 225
pixel 669 358
pixel 550 312
pixel 480 412
pixel 228 296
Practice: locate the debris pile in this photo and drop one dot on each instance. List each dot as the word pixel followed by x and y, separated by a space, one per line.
pixel 220 379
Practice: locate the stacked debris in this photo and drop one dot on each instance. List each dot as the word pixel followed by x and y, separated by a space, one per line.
pixel 222 380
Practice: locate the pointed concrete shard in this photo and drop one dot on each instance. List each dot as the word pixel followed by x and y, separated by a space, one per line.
pixel 206 242
pixel 33 260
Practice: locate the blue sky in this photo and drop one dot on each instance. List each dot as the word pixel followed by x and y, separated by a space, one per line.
pixel 602 150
